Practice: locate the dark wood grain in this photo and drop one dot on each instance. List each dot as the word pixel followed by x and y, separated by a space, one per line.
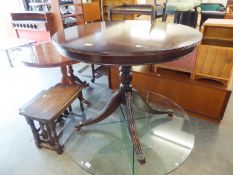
pixel 126 42
pixel 45 56
pixel 46 109
pixel 51 101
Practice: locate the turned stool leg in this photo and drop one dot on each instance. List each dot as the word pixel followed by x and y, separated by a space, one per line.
pixel 50 137
pixel 80 97
pixel 58 147
pixel 43 131
pixel 34 132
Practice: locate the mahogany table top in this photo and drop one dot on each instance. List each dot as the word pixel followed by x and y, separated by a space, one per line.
pixel 45 55
pixel 126 42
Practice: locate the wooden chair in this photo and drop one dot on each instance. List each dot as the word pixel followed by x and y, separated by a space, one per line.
pixel 153 10
pixel 211 10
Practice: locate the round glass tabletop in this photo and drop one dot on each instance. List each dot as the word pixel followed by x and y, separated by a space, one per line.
pixel 105 148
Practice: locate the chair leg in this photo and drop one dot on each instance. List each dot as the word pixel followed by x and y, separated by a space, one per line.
pixel 93 73
pixel 80 97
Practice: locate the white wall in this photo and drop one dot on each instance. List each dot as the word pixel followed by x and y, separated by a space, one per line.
pixel 5 10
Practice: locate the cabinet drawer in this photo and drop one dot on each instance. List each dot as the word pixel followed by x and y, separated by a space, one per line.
pixel 214 61
pixel 218 32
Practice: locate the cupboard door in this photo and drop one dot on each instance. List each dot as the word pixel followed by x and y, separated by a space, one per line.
pixel 214 62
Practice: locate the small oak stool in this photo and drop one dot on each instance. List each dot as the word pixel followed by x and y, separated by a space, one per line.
pixel 46 108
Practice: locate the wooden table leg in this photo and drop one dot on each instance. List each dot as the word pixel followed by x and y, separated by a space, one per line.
pixel 74 78
pixel 125 95
pixel 68 76
pixel 106 112
pixel 65 77
pixel 132 129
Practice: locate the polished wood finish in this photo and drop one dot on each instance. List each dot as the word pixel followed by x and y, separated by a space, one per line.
pixel 186 64
pixel 202 98
pixel 126 96
pixel 45 109
pixel 126 43
pixel 46 56
pixel 214 58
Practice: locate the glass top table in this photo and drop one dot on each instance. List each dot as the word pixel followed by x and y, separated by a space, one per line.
pixel 128 43
pixel 105 148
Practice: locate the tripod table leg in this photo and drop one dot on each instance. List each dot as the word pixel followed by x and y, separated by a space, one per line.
pixel 132 128
pixel 107 111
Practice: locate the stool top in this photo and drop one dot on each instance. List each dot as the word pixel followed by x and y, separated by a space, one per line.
pixel 49 104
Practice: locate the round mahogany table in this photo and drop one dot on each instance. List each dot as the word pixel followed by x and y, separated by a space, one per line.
pixel 127 43
pixel 46 56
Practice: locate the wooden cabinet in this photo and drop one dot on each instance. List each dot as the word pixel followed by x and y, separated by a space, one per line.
pixel 91 11
pixel 214 62
pixel 202 98
pixel 63 17
pixel 75 13
pixel 215 54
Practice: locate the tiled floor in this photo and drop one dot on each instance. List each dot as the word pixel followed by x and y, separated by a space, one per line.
pixel 212 155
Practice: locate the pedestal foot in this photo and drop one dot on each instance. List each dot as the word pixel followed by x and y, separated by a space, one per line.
pixel 107 111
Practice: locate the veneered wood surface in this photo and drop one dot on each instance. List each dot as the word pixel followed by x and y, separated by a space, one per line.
pixel 45 55
pixel 127 42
